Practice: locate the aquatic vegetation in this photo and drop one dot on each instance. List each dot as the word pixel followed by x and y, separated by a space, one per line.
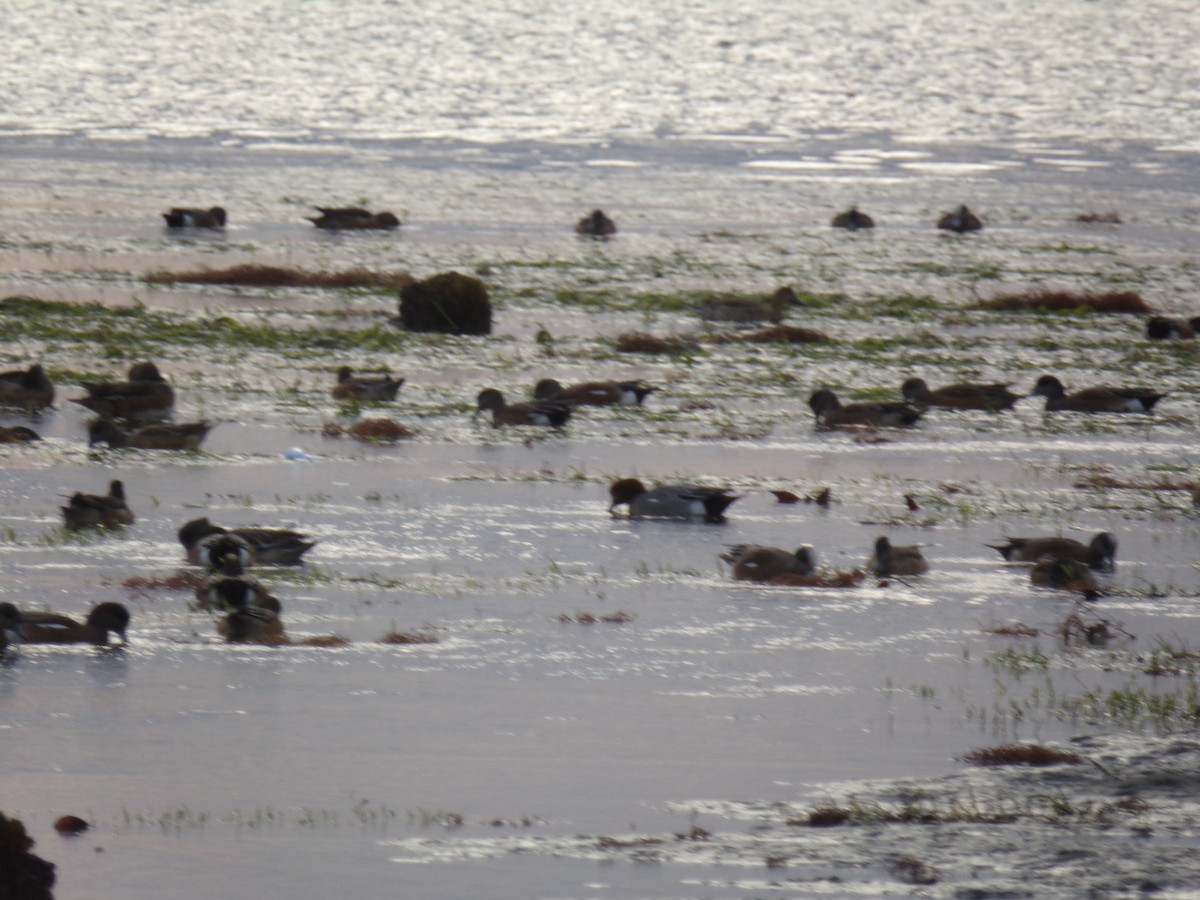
pixel 258 275
pixel 1021 755
pixel 1046 300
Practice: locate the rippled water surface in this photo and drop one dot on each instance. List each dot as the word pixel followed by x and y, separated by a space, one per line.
pixel 523 750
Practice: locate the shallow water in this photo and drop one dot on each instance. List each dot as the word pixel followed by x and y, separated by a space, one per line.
pixel 339 770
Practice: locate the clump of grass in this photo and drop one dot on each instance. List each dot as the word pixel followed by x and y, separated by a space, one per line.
pixel 255 275
pixel 849 579
pixel 179 581
pixel 1048 300
pixel 1021 755
pixel 320 640
pixel 1013 629
pixel 913 871
pixel 408 637
pixel 1112 217
pixel 370 430
pixel 587 618
pixel 641 342
pixel 777 334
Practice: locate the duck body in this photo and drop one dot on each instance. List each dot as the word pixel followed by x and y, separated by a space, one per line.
pixel 52 628
pixel 990 397
pixel 351 387
pixel 1065 575
pixel 747 310
pixel 543 413
pixel 888 560
pixel 755 563
pixel 186 217
pixel 352 218
pixel 853 220
pixel 830 413
pixel 960 221
pixel 1095 399
pixel 594 393
pixel 18 434
pixel 671 501
pixel 596 224
pixel 233 589
pixel 98 510
pixel 27 388
pixel 267 546
pixel 160 436
pixel 252 625
pixel 1164 328
pixel 1099 553
pixel 145 394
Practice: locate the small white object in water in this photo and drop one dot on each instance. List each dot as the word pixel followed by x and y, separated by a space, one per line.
pixel 296 453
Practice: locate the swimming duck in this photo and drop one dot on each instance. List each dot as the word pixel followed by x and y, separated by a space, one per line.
pixel 252 625
pixel 98 510
pixel 670 501
pixel 992 397
pixel 18 434
pixel 754 563
pixel 547 413
pixel 852 220
pixel 745 309
pixel 52 628
pixel 267 546
pixel 28 388
pixel 889 560
pixel 1099 553
pixel 145 394
pixel 831 414
pixel 594 393
pixel 184 217
pixel 351 387
pixel 10 624
pixel 597 224
pixel 233 588
pixel 1095 399
pixel 353 218
pixel 1066 575
pixel 161 436
pixel 961 220
pixel 1162 328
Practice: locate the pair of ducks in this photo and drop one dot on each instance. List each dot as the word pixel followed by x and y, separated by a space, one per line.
pixel 553 403
pixel 960 220
pixel 145 394
pixel 331 218
pixel 771 564
pixel 252 614
pixel 51 628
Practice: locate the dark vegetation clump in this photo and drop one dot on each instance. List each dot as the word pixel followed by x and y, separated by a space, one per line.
pixel 408 637
pixel 778 334
pixel 825 817
pixel 1055 301
pixel 641 342
pixel 1021 755
pixel 451 303
pixel 1112 217
pixel 254 275
pixel 177 581
pixel 587 618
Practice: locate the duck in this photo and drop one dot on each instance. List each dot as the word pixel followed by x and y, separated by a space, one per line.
pixel 670 501
pixel 1099 553
pixel 831 414
pixel 746 309
pixel 754 563
pixel 596 224
pixel 212 551
pixel 852 220
pixel 1064 574
pixel 52 628
pixel 545 413
pixel 594 393
pixel 351 387
pixel 964 395
pixel 160 436
pixel 1095 399
pixel 353 218
pixel 1163 328
pixel 184 217
pixel 28 388
pixel 233 588
pixel 266 546
pixel 961 220
pixel 98 510
pixel 252 625
pixel 10 625
pixel 889 560
pixel 18 434
pixel 145 394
